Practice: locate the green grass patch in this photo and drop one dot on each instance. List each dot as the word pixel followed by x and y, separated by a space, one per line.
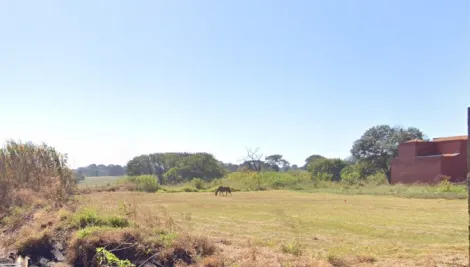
pixel 343 224
pixel 90 218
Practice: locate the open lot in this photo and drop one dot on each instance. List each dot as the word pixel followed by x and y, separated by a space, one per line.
pixel 327 226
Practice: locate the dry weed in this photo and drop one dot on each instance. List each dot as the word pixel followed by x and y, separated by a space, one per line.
pixel 32 173
pixel 212 261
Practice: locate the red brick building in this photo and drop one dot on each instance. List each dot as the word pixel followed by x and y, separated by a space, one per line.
pixel 422 162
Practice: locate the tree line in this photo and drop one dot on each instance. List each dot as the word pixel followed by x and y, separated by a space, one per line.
pixel 370 154
pixel 94 170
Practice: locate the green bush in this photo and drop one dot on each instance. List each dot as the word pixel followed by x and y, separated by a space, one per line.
pixel 145 183
pixel 351 175
pixel 378 178
pixel 189 189
pixel 265 180
pixel 322 176
pixel 327 168
pixel 198 183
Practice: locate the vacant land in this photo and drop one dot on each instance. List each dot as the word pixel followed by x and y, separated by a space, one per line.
pixel 385 229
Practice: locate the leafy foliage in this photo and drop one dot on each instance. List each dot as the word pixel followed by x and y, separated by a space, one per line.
pixel 379 145
pixel 266 180
pixel 277 163
pixel 311 159
pixel 101 170
pixel 107 258
pixel 323 169
pixel 145 183
pixel 79 177
pixel 176 167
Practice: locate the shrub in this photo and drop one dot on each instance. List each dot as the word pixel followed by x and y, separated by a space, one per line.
pixel 145 183
pixel 351 175
pixel 107 258
pixel 331 167
pixel 40 169
pixel 264 180
pixel 378 178
pixel 189 189
pixel 198 183
pixel 293 248
pixel 322 176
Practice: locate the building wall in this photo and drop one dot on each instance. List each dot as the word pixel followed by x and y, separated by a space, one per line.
pixel 448 147
pixel 408 168
pixel 452 166
pixel 407 151
pixel 425 148
pixel 419 170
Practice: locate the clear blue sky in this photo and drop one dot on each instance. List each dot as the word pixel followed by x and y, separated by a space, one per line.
pixel 108 80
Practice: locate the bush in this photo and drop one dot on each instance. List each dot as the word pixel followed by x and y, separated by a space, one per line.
pixel 38 169
pixel 79 177
pixel 189 189
pixel 145 183
pixel 378 178
pixel 198 183
pixel 265 180
pixel 351 175
pixel 332 167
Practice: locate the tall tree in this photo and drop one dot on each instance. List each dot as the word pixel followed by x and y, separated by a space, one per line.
pixel 379 145
pixel 311 159
pixel 139 165
pixel 176 167
pixel 277 163
pixel 252 160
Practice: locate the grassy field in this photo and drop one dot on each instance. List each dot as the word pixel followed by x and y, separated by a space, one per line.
pixel 389 230
pixel 99 181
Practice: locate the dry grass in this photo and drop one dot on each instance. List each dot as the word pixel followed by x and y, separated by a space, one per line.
pixel 361 231
pixel 32 174
pixel 100 181
pixel 138 245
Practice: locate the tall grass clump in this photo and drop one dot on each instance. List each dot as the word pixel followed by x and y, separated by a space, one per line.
pixel 30 172
pixel 266 180
pixel 145 183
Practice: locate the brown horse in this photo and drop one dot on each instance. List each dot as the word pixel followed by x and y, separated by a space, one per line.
pixel 222 189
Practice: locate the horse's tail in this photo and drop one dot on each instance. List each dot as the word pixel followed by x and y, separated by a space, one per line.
pixel 216 191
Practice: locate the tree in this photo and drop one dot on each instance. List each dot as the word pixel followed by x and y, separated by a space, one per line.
pixel 201 165
pixel 253 161
pixel 139 165
pixel 176 167
pixel 327 168
pixel 277 163
pixel 230 167
pixel 79 176
pixel 379 145
pixel 311 159
pixel 101 170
